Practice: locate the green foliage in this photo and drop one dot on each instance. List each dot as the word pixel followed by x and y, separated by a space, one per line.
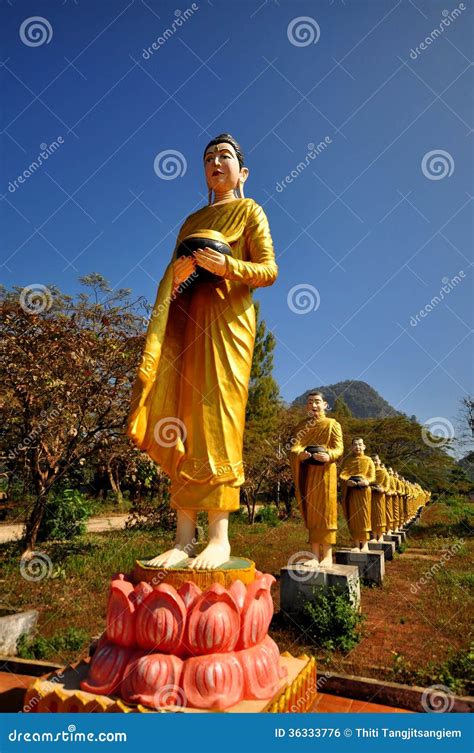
pixel 264 393
pixel 151 515
pixel 456 672
pixel 65 515
pixel 70 641
pixel 268 514
pixel 331 622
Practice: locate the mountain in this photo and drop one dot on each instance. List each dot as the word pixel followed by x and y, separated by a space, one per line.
pixel 362 400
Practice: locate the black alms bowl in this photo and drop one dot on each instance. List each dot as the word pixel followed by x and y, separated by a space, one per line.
pixel 211 239
pixel 357 479
pixel 312 448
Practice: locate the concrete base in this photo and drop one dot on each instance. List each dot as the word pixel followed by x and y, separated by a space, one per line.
pixel 403 534
pixel 13 626
pixel 387 547
pixel 299 585
pixel 371 564
pixel 393 537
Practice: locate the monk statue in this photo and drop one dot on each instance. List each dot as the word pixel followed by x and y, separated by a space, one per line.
pixel 389 501
pixel 313 464
pixel 378 506
pixel 358 472
pixel 188 402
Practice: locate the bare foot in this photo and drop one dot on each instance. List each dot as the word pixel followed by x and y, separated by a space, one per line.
pixel 213 556
pixel 326 562
pixel 170 557
pixel 365 548
pixel 373 541
pixel 311 564
pixel 355 549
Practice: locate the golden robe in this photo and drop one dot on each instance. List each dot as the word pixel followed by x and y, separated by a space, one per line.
pixel 378 509
pixel 395 502
pixel 188 402
pixel 316 485
pixel 389 494
pixel 356 503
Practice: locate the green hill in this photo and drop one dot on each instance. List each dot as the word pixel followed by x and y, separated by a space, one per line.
pixel 362 400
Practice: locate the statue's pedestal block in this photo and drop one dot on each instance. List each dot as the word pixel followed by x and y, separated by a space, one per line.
pixel 403 535
pixel 395 537
pixel 299 585
pixel 60 691
pixel 387 547
pixel 371 564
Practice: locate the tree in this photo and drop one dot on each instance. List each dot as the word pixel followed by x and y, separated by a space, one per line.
pixel 67 371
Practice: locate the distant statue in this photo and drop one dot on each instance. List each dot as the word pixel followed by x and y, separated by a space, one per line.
pixel 358 472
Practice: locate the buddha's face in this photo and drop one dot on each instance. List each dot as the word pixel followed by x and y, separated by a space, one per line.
pixel 377 460
pixel 222 168
pixel 358 447
pixel 316 405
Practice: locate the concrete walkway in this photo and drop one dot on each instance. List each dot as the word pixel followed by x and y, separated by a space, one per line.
pixel 10 532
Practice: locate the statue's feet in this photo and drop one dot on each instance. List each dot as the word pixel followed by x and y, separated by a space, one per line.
pixel 212 557
pixel 365 547
pixel 170 557
pixel 326 562
pixel 373 541
pixel 311 564
pixel 355 549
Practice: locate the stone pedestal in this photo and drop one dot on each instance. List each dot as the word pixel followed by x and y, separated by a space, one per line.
pixel 395 537
pixel 387 547
pixel 371 564
pixel 299 585
pixel 402 535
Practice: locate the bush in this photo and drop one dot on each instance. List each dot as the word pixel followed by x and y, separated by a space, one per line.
pixel 331 622
pixel 65 516
pixel 151 515
pixel 268 515
pixel 71 641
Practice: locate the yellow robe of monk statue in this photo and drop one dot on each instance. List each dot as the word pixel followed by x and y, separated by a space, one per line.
pixel 188 402
pixel 379 515
pixel 316 485
pixel 395 502
pixel 356 503
pixel 389 494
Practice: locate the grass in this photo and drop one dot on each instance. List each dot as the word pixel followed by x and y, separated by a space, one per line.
pixel 421 637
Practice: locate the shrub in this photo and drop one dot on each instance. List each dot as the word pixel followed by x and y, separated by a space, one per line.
pixel 331 622
pixel 65 516
pixel 269 515
pixel 71 641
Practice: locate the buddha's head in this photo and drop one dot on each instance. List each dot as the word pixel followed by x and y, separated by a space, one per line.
pixel 377 462
pixel 316 405
pixel 358 446
pixel 224 166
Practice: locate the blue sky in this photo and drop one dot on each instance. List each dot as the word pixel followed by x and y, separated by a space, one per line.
pixel 376 223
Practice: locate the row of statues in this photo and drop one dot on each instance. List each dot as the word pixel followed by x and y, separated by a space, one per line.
pixel 376 500
pixel 188 401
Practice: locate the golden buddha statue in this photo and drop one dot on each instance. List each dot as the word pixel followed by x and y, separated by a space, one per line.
pixel 188 402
